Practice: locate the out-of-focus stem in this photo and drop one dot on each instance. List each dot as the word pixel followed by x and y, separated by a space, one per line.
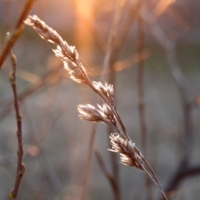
pixel 20 166
pixel 111 177
pixel 140 89
pixel 17 31
pixel 140 85
pixel 89 157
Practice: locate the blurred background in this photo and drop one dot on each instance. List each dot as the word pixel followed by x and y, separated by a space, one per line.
pixel 155 71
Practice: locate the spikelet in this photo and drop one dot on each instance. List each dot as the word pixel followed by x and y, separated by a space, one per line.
pixel 105 89
pixel 97 114
pixel 88 112
pixel 65 52
pixel 131 156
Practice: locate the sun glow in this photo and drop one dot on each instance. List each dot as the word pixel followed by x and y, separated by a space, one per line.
pixel 162 6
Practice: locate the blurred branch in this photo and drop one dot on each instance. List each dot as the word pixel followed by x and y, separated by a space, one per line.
pixel 131 15
pixel 88 162
pixel 17 31
pixel 182 174
pixel 20 166
pixel 105 69
pixel 140 85
pixel 169 47
pixel 109 176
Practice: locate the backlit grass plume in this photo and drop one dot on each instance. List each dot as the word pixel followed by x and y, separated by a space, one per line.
pixel 106 113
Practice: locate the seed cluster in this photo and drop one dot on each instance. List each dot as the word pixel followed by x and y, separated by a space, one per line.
pixel 106 113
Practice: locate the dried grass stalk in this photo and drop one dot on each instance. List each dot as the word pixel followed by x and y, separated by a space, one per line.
pixel 66 53
pixel 107 113
pixel 131 156
pixel 74 66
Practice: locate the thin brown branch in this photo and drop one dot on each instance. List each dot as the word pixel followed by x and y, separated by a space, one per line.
pixel 110 177
pixel 20 166
pixel 17 31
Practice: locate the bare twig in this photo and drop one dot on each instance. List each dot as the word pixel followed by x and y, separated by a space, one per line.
pixel 20 166
pixel 106 113
pixel 17 31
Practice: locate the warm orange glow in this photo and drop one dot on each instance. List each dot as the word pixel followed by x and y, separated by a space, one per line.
pixel 162 6
pixel 84 11
pixel 128 62
pixel 108 6
pixel 32 150
pixel 198 100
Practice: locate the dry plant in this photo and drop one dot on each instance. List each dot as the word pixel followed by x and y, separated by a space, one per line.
pixel 107 113
pixel 4 54
pixel 20 166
